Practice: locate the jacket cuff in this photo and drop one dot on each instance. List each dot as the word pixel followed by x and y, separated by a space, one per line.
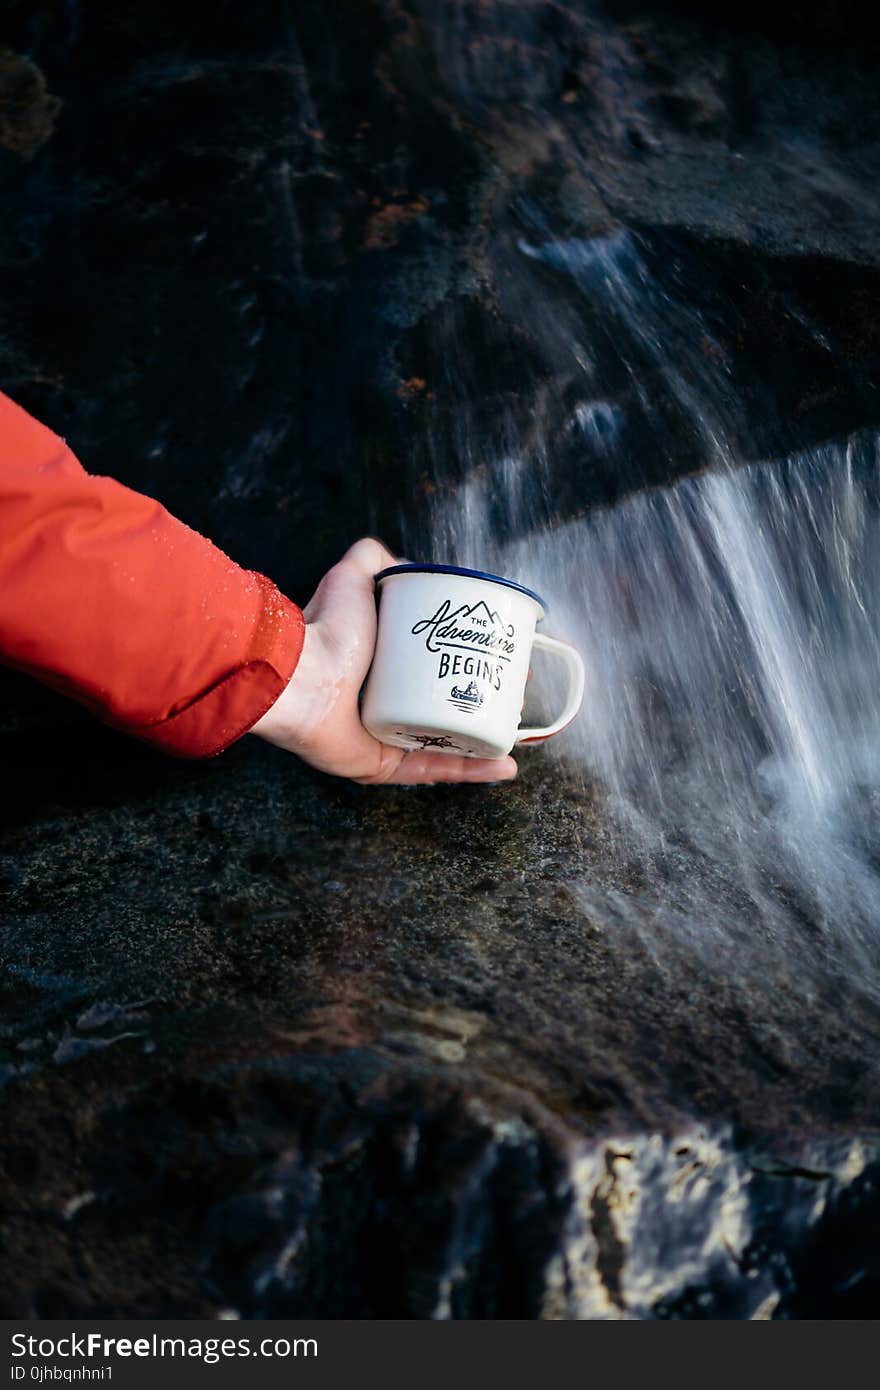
pixel 228 709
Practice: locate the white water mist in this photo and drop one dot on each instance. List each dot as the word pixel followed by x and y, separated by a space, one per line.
pixel 729 625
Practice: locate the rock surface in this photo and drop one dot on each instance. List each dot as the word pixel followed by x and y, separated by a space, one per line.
pixel 286 1047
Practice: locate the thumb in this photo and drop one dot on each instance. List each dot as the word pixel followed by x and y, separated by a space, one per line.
pixel 368 556
pixel 351 578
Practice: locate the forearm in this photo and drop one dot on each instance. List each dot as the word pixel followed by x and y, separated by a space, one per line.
pixel 108 598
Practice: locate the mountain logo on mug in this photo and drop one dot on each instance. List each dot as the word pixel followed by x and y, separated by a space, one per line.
pixel 469 627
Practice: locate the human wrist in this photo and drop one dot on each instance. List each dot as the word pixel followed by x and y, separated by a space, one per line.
pixel 304 701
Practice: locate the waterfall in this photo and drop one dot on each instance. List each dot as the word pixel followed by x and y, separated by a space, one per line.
pixel 730 631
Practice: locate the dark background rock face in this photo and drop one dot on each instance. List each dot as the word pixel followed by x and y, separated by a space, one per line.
pixel 289 1047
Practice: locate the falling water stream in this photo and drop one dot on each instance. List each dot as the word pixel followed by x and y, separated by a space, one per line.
pixel 729 628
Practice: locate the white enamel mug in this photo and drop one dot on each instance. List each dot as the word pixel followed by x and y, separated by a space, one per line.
pixel 452 657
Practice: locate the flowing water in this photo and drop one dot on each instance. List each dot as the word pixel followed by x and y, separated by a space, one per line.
pixel 729 628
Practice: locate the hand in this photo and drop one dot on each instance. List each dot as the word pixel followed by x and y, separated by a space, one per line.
pixel 317 715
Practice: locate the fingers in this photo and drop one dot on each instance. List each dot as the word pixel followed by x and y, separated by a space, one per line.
pixel 412 769
pixel 441 767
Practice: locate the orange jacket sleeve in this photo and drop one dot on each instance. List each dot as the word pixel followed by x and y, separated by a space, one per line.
pixel 107 597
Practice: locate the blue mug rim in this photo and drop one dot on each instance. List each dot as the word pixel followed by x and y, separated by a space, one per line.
pixel 466 573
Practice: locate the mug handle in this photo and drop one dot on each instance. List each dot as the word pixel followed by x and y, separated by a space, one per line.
pixel 575 692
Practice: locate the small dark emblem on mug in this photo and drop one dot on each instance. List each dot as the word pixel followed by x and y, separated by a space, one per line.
pixel 467 699
pixel 429 740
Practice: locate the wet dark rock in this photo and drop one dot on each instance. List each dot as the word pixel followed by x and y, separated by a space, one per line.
pixel 440 1092
pixel 27 108
pixel 71 1049
pixel 269 266
pixel 328 248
